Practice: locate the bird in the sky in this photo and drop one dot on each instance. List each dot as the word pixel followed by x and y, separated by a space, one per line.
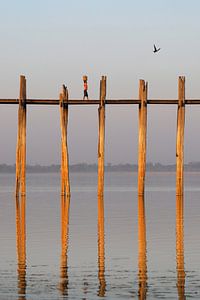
pixel 155 49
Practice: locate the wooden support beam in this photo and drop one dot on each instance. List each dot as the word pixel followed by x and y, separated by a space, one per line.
pixel 180 137
pixel 65 183
pixel 101 142
pixel 101 249
pixel 90 102
pixel 142 136
pixel 21 141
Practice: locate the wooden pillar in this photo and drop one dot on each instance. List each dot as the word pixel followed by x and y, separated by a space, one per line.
pixel 180 137
pixel 65 183
pixel 142 258
pixel 180 247
pixel 21 141
pixel 101 111
pixel 101 253
pixel 142 136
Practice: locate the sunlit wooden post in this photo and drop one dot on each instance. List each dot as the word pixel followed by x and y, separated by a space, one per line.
pixel 65 183
pixel 101 145
pixel 101 111
pixel 142 136
pixel 21 141
pixel 142 259
pixel 180 247
pixel 180 137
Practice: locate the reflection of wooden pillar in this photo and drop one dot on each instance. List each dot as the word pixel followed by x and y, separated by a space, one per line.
pixel 180 247
pixel 101 248
pixel 180 136
pixel 142 259
pixel 21 243
pixel 21 141
pixel 65 184
pixel 65 203
pixel 142 137
pixel 101 136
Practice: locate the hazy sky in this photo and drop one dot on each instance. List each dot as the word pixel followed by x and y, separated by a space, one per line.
pixel 56 42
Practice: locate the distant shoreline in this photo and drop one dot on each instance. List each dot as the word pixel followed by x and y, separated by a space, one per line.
pixel 84 167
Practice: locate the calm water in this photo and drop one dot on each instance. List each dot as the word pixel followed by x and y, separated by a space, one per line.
pixel 53 250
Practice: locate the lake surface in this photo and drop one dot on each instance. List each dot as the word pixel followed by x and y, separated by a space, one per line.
pixel 135 249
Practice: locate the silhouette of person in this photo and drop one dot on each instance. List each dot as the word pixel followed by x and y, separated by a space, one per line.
pixel 85 88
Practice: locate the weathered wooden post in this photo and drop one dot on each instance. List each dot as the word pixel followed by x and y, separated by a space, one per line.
pixel 65 183
pixel 101 253
pixel 180 247
pixel 101 111
pixel 180 137
pixel 142 259
pixel 142 136
pixel 21 141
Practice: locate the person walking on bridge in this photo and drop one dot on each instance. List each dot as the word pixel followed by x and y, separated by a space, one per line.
pixel 85 88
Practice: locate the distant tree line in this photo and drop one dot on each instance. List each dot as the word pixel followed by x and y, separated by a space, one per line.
pixel 84 167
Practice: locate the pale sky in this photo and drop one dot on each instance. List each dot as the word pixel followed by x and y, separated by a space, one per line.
pixel 56 42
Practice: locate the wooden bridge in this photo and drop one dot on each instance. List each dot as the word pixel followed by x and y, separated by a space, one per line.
pixel 64 102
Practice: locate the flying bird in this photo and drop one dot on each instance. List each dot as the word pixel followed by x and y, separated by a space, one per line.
pixel 155 49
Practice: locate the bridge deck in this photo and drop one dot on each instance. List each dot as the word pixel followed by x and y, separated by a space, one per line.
pixel 97 102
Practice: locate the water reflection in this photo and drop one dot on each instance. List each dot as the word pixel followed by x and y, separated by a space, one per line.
pixel 180 247
pixel 142 258
pixel 85 289
pixel 21 245
pixel 65 203
pixel 101 248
